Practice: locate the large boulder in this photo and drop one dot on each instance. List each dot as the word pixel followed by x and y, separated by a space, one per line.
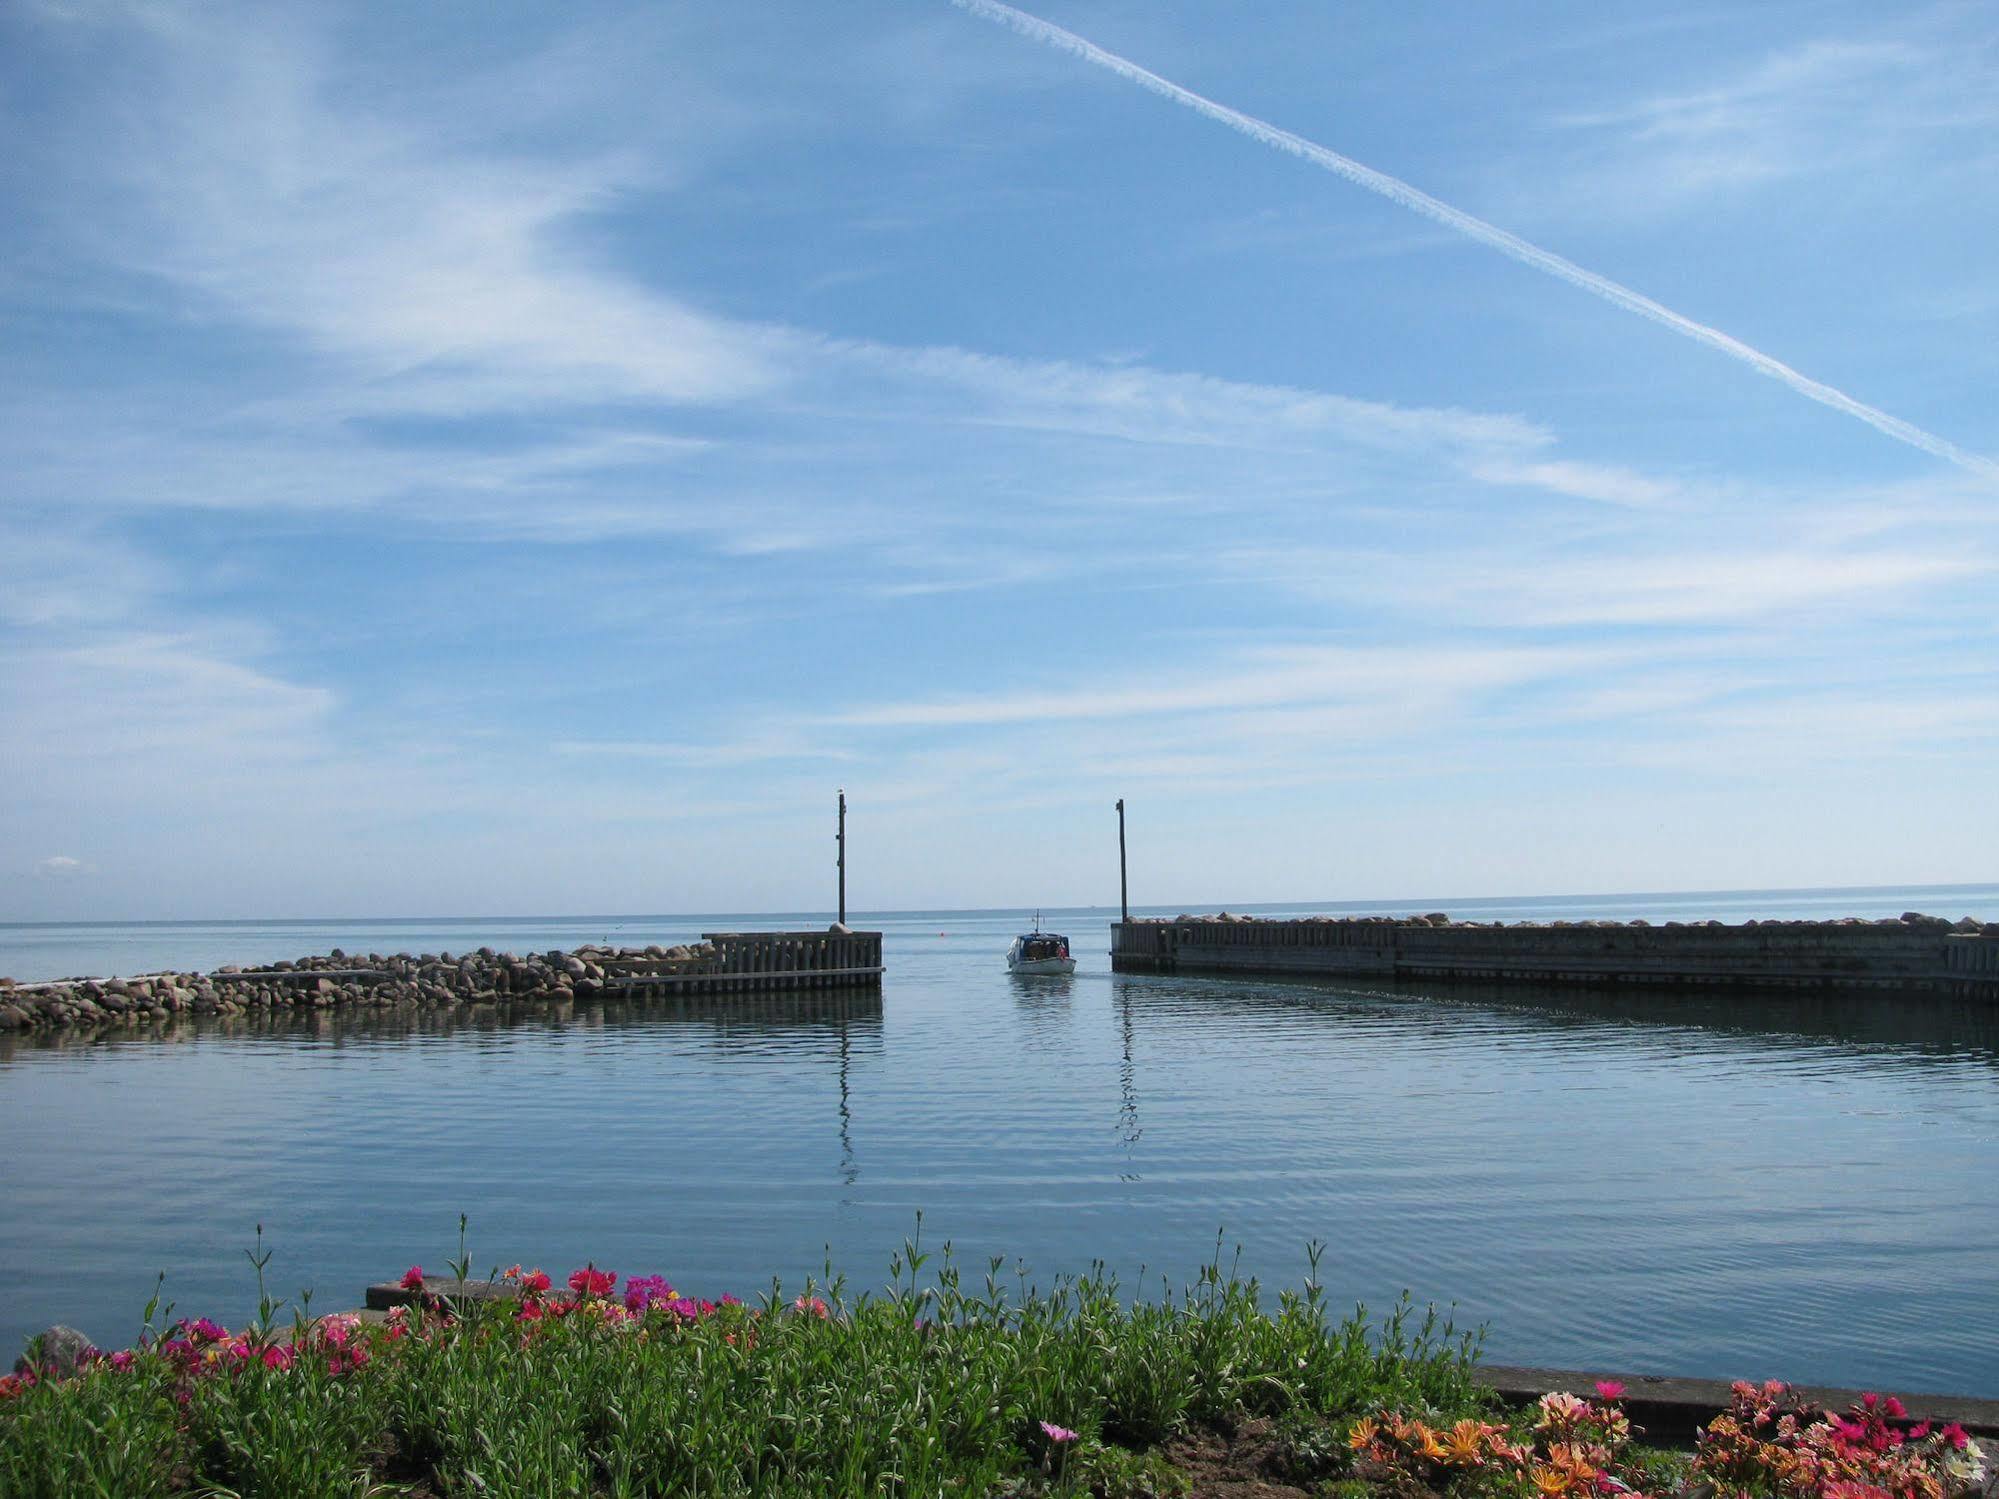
pixel 55 1353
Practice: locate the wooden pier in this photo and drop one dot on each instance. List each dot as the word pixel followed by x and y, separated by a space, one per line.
pixel 1925 954
pixel 833 959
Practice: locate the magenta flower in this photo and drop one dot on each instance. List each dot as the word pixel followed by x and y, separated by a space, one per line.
pixel 122 1360
pixel 1609 1389
pixel 590 1281
pixel 644 1292
pixel 1059 1435
pixel 412 1278
pixel 278 1356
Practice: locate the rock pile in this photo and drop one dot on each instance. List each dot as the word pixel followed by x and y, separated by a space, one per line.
pixel 340 979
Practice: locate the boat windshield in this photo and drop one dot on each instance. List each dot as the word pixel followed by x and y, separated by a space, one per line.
pixel 1038 947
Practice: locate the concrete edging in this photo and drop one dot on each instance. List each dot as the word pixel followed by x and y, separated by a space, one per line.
pixel 1671 1410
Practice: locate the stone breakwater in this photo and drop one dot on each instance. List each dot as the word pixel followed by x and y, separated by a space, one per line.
pixel 1907 921
pixel 1914 952
pixel 347 981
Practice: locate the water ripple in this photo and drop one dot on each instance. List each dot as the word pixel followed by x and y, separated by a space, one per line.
pixel 1796 1187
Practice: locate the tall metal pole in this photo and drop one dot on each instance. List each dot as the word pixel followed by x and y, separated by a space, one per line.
pixel 1123 893
pixel 842 840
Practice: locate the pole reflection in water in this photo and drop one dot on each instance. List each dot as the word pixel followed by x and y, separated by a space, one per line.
pixel 850 1171
pixel 1129 1129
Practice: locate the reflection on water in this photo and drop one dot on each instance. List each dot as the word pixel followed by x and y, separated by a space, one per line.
pixel 735 1021
pixel 1791 1186
pixel 1913 1024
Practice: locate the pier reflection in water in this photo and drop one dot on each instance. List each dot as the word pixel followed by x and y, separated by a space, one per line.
pixel 1787 1186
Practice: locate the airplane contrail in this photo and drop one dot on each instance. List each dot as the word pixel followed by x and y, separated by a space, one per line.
pixel 1417 201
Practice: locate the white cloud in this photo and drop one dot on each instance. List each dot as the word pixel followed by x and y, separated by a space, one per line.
pixel 719 756
pixel 1261 678
pixel 1583 481
pixel 1821 106
pixel 63 867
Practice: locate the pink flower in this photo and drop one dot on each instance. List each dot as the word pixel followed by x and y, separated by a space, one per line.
pixel 1954 1434
pixel 122 1360
pixel 412 1278
pixel 1609 1389
pixel 278 1357
pixel 535 1282
pixel 644 1292
pixel 590 1281
pixel 814 1305
pixel 1059 1435
pixel 1895 1409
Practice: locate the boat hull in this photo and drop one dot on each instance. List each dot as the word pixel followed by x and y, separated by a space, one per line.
pixel 1041 965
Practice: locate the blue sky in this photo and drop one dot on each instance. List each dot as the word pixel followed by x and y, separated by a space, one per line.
pixel 473 458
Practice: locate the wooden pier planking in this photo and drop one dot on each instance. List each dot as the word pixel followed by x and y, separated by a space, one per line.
pixel 761 960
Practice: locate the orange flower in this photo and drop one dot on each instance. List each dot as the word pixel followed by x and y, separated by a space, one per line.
pixel 1428 1447
pixel 1568 1458
pixel 1552 1481
pixel 1365 1430
pixel 1465 1445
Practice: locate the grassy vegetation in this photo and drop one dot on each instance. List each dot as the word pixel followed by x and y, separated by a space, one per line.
pixel 931 1387
pixel 934 1386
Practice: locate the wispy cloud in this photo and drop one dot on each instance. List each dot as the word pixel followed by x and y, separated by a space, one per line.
pixel 720 756
pixel 1552 586
pixel 1827 105
pixel 1603 483
pixel 1262 678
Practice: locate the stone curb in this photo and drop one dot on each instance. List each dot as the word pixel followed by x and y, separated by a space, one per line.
pixel 1671 1410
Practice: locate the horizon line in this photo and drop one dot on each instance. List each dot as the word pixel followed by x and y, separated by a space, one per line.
pixel 1436 902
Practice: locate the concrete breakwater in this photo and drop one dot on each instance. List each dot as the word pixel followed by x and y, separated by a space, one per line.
pixel 1916 953
pixel 722 962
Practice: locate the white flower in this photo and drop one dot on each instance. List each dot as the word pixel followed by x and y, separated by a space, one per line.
pixel 1965 1465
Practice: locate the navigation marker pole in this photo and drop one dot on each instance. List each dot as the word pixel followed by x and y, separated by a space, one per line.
pixel 1123 894
pixel 841 839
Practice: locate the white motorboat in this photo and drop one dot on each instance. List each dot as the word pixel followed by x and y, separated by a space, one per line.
pixel 1040 952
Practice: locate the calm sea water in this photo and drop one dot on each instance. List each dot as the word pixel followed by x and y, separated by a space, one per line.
pixel 1799 1188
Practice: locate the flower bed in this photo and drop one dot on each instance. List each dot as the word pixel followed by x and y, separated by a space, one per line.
pixel 631 1387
